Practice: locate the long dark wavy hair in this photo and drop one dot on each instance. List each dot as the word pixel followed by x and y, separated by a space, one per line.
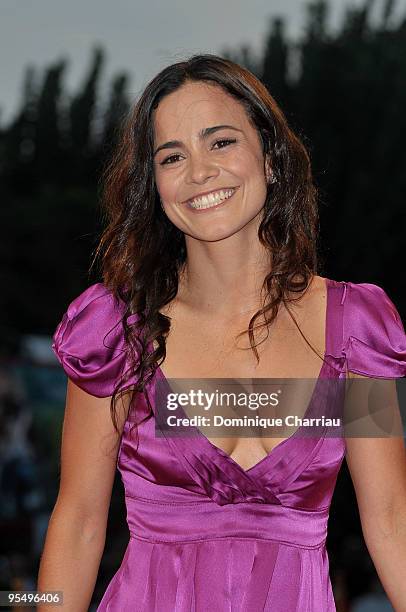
pixel 137 231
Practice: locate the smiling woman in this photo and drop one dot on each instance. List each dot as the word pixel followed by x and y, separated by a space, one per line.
pixel 211 244
pixel 234 171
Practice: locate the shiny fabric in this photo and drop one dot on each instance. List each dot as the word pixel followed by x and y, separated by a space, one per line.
pixel 205 534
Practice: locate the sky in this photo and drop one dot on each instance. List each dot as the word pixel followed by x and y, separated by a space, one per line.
pixel 139 36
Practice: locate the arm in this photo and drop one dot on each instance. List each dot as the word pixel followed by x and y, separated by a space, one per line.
pixel 76 533
pixel 378 471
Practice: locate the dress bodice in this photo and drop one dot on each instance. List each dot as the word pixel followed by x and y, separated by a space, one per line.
pixel 186 490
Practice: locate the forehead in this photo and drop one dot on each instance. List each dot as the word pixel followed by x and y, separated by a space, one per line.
pixel 197 105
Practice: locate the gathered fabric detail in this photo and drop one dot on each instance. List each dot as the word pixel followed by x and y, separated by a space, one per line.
pixel 89 341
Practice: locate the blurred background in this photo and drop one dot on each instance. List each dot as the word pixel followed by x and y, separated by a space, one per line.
pixel 69 73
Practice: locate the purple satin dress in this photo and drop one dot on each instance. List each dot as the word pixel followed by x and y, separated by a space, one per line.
pixel 205 534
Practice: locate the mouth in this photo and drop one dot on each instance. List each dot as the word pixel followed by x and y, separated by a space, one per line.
pixel 213 199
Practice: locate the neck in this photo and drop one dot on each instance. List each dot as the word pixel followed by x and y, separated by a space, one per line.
pixel 224 277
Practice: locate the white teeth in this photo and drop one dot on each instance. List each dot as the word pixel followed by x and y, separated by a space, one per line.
pixel 211 199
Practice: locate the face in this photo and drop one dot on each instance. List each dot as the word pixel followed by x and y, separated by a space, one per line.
pixel 208 164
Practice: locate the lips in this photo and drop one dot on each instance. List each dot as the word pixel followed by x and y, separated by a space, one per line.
pixel 204 205
pixel 206 193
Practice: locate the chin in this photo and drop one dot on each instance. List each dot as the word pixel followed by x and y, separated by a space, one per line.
pixel 215 233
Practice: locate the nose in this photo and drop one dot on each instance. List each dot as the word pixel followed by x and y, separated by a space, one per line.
pixel 200 169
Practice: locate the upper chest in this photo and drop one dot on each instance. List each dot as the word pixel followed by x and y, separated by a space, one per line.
pixel 199 346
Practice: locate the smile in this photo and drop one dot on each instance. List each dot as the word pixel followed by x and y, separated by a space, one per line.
pixel 212 199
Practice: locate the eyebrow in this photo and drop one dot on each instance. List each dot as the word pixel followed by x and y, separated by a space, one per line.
pixel 171 144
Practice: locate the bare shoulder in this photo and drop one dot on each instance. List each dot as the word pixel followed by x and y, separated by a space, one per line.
pixel 313 299
pixel 317 295
pixel 318 286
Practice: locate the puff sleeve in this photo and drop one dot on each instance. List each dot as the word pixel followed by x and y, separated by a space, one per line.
pixel 89 341
pixel 373 333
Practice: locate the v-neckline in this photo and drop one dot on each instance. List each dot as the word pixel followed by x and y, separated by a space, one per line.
pixel 218 452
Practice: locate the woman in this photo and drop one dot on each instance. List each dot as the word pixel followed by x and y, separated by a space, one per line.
pixel 212 235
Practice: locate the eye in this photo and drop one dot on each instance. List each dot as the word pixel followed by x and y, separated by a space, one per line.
pixel 166 160
pixel 224 141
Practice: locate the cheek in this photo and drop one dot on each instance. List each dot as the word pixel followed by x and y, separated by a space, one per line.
pixel 246 164
pixel 166 187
